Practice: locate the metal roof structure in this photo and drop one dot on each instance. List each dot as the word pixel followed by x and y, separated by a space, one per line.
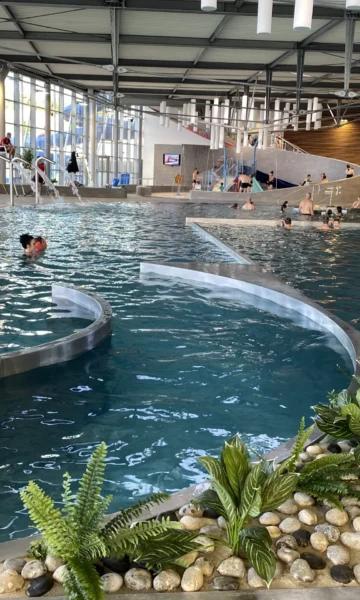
pixel 153 50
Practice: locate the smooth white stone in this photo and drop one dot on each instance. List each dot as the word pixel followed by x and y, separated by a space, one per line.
pixel 10 581
pixel 338 517
pixel 192 580
pixel 319 541
pixel 332 533
pixel 111 582
pixel 195 523
pixel 33 569
pixel 52 563
pixel 314 450
pixel 221 522
pixel 274 531
pixel 254 580
pixel 308 516
pixel 232 567
pixel 356 569
pixel 353 511
pixel 301 571
pixel 167 581
pixel 138 580
pixel 356 523
pixel 303 500
pixel 269 518
pixel 287 555
pixel 290 525
pixel 207 545
pixel 60 574
pixel 338 555
pixel 205 565
pixel 351 540
pixel 289 507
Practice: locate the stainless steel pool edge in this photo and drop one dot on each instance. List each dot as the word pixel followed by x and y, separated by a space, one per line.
pixel 206 235
pixel 256 222
pixel 68 347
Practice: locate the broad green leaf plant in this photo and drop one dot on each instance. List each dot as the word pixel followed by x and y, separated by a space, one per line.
pixel 341 417
pixel 79 535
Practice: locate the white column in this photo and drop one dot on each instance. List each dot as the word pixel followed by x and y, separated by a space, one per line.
pixel 221 127
pixel 308 114
pixel 2 124
pixel 286 114
pixel 216 114
pixel 162 113
pixel 277 115
pixel 303 14
pixel 193 112
pixel 47 121
pixel 92 139
pixel 244 103
pixel 295 118
pixel 318 117
pixel 116 143
pixel 264 17
pixel 314 109
pixel 207 118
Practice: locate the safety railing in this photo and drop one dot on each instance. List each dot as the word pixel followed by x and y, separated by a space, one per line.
pixel 39 173
pixel 283 144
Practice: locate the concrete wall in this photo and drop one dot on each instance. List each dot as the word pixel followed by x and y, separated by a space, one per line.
pixel 153 134
pixel 192 157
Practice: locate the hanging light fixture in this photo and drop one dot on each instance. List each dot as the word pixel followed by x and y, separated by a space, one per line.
pixel 352 4
pixel 303 14
pixel 208 5
pixel 264 17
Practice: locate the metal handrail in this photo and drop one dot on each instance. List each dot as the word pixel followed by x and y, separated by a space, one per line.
pixel 40 158
pixel 292 146
pixel 7 160
pixel 12 161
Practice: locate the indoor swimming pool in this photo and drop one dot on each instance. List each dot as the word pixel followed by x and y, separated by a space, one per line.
pixel 187 366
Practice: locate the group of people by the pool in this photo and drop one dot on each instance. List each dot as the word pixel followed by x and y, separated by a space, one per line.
pixel 33 245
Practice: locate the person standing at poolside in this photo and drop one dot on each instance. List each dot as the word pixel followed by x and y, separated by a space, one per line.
pixel 349 171
pixel 307 180
pixel 306 206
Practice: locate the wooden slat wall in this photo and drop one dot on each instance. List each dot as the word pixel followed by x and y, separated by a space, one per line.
pixel 342 142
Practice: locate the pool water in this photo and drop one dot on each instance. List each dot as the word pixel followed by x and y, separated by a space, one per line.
pixel 186 366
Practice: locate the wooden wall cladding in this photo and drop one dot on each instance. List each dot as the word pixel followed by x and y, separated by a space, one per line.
pixel 342 142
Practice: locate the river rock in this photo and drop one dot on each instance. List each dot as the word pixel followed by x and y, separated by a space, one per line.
pixel 301 571
pixel 33 569
pixel 304 457
pixel 351 540
pixel 220 553
pixel 289 525
pixel 315 562
pixel 10 581
pixel 289 507
pixel 40 586
pixel 226 584
pixel 213 531
pixel 303 500
pixel 117 565
pixel 338 517
pixel 254 580
pixel 273 531
pixel 287 555
pixel 232 567
pixel 319 541
pixel 188 559
pixel 196 523
pixel 338 555
pixel 356 569
pixel 205 565
pixel 191 510
pixel 14 564
pixel 287 540
pixel 221 522
pixel 269 518
pixel 302 537
pixel 52 563
pixel 192 580
pixel 138 580
pixel 60 574
pixel 349 501
pixel 342 574
pixel 330 531
pixel 356 523
pixel 308 516
pixel 111 582
pixel 167 581
pixel 207 545
pixel 353 511
pixel 314 450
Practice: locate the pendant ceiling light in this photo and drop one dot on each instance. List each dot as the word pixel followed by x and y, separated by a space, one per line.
pixel 352 4
pixel 264 17
pixel 208 5
pixel 303 14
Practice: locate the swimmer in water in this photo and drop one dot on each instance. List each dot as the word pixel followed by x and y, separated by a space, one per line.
pixel 249 205
pixel 286 223
pixel 32 245
pixel 284 206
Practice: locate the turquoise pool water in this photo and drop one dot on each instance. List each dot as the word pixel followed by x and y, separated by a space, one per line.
pixel 186 367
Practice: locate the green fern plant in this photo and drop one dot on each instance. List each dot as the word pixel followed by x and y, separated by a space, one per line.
pixel 341 417
pixel 79 535
pixel 241 491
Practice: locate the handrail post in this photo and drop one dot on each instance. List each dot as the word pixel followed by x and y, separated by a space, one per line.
pixel 40 158
pixel 12 161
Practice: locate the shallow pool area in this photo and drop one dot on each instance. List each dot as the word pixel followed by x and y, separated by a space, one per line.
pixel 187 366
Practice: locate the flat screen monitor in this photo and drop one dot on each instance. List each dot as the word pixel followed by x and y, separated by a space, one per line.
pixel 172 160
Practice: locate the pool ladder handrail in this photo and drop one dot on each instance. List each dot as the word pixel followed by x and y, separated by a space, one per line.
pixel 37 173
pixel 11 181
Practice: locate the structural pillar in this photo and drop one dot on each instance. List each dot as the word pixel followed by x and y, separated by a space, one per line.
pixel 299 77
pixel 116 142
pixel 140 146
pixel 3 73
pixel 92 139
pixel 349 43
pixel 268 94
pixel 47 120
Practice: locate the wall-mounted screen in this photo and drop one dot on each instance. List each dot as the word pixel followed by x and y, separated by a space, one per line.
pixel 172 160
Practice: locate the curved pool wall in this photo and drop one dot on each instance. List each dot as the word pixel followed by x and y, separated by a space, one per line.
pixel 77 302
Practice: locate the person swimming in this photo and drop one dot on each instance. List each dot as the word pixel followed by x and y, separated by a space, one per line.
pixel 284 206
pixel 249 205
pixel 32 245
pixel 286 223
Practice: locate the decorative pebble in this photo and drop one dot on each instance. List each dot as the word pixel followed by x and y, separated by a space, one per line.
pixel 351 540
pixel 315 562
pixel 287 540
pixel 138 580
pixel 14 564
pixel 356 570
pixel 33 569
pixel 269 518
pixel 214 531
pixel 287 555
pixel 220 553
pixel 205 565
pixel 353 511
pixel 301 571
pixel 52 563
pixel 226 584
pixel 221 522
pixel 349 501
pixel 314 450
pixel 303 500
pixel 191 510
pixel 345 445
pixel 111 582
pixel 338 555
pixel 319 541
pixel 254 580
pixel 188 559
pixel 167 581
pixel 334 448
pixel 302 537
pixel 338 517
pixel 278 569
pixel 356 523
pixel 192 579
pixel 330 531
pixel 289 507
pixel 273 531
pixel 10 581
pixel 232 567
pixel 290 525
pixel 207 545
pixel 40 586
pixel 342 574
pixel 308 516
pixel 304 457
pixel 60 574
pixel 195 523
